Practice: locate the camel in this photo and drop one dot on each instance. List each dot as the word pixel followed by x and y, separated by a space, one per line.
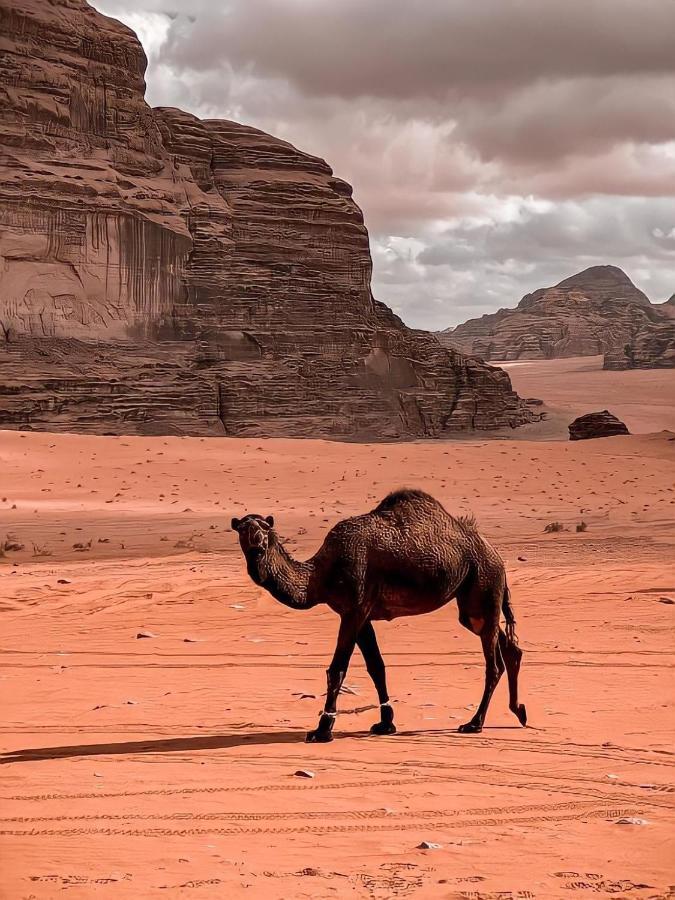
pixel 406 557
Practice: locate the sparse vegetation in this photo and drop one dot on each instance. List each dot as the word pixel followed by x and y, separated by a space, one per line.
pixel 582 526
pixel 82 548
pixel 41 550
pixel 554 527
pixel 11 544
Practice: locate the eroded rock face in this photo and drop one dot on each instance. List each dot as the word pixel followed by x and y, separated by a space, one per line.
pixel 165 274
pixel 594 312
pixel 596 425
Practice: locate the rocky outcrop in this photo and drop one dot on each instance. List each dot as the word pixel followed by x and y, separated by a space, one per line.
pixel 651 347
pixel 593 312
pixel 165 274
pixel 596 425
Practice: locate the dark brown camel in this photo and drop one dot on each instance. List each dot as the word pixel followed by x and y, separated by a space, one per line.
pixel 406 557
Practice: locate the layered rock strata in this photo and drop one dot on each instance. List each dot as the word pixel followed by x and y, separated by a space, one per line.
pixel 162 274
pixel 595 312
pixel 596 425
pixel 651 347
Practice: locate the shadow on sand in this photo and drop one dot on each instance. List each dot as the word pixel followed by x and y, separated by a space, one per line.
pixel 209 742
pixel 167 745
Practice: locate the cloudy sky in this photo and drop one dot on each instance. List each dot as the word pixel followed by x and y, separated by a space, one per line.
pixel 494 146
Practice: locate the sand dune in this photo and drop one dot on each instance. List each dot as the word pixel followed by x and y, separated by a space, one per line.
pixel 163 766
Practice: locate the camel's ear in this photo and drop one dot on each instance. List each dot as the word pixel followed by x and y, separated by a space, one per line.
pixel 270 521
pixel 235 524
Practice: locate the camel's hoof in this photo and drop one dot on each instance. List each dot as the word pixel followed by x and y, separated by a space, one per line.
pixel 318 737
pixel 521 713
pixel 383 728
pixel 470 728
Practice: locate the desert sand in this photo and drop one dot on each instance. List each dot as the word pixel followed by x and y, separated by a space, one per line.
pixel 642 398
pixel 163 766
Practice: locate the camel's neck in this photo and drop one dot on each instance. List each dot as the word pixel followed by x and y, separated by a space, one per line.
pixel 285 578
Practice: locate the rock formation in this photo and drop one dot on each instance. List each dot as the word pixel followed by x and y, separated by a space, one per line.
pixel 165 274
pixel 596 425
pixel 594 312
pixel 651 347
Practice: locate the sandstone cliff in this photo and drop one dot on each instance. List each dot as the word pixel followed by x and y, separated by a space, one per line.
pixel 165 274
pixel 594 312
pixel 652 346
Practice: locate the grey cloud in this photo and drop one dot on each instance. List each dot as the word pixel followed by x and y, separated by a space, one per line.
pixel 540 246
pixel 384 48
pixel 494 146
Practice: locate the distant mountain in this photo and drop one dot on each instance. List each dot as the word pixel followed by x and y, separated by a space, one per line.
pixel 596 311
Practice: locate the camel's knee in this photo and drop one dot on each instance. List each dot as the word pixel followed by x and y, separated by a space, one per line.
pixel 474 624
pixel 512 654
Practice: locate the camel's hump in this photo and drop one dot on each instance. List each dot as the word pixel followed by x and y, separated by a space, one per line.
pixel 406 497
pixel 411 502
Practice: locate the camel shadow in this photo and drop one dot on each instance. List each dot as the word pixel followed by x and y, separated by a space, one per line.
pixel 166 745
pixel 206 742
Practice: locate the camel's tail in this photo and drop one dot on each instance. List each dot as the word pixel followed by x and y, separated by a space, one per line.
pixel 507 609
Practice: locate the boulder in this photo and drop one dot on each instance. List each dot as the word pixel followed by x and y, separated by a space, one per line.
pixel 596 425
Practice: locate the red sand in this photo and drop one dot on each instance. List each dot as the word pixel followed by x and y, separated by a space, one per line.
pixel 160 767
pixel 642 398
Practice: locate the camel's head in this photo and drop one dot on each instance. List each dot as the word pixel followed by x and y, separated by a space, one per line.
pixel 254 531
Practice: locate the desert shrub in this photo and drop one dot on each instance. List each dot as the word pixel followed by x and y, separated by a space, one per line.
pixel 582 526
pixel 11 543
pixel 41 550
pixel 553 527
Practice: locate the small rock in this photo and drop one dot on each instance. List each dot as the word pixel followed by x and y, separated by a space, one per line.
pixel 631 820
pixel 131 702
pixel 522 559
pixel 429 845
pixel 62 581
pixel 668 600
pixel 304 773
pixel 145 634
pixel 13 546
pixel 190 640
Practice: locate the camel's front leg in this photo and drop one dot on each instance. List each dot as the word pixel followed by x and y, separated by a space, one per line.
pixel 375 665
pixel 349 629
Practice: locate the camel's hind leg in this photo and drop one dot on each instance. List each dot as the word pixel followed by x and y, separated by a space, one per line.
pixel 494 666
pixel 479 610
pixel 512 655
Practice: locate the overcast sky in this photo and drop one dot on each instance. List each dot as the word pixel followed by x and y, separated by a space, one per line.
pixel 495 146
